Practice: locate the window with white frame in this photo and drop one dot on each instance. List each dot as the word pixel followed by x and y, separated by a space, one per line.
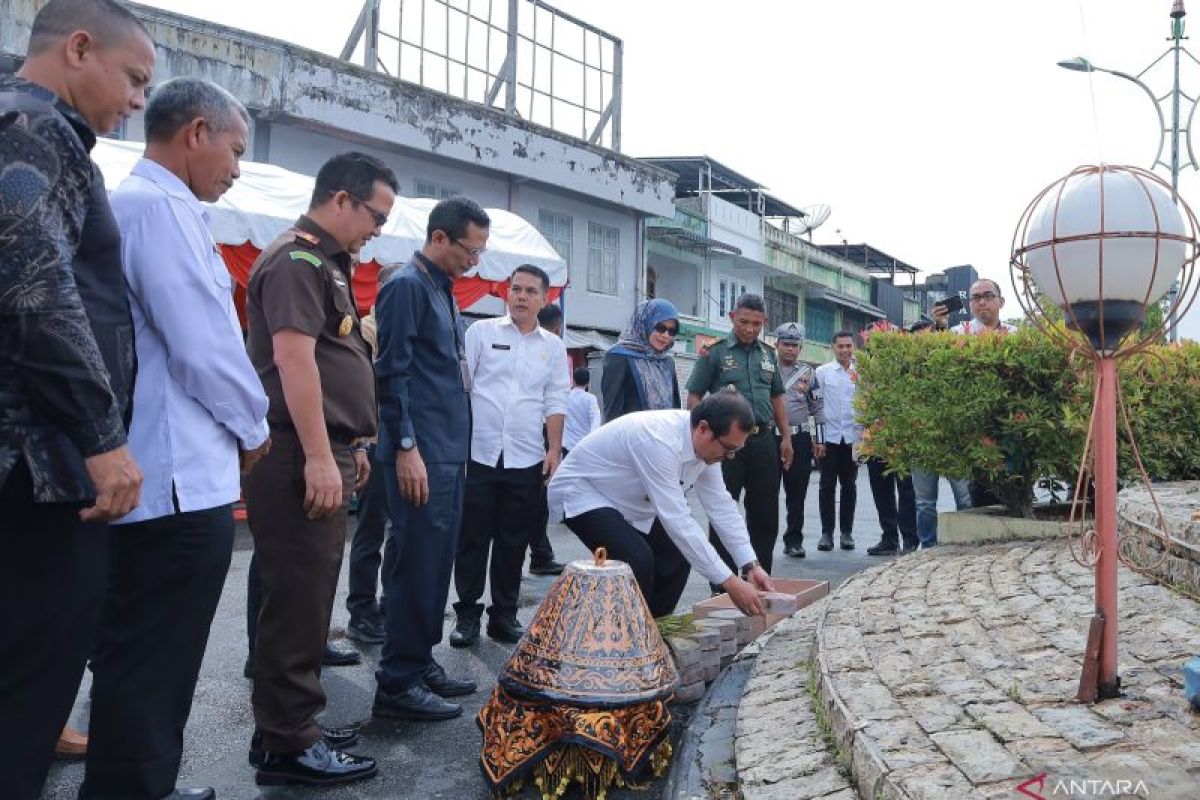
pixel 724 297
pixel 436 191
pixel 604 245
pixel 559 230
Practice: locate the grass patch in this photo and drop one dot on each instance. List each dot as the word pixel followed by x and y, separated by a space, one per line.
pixel 840 757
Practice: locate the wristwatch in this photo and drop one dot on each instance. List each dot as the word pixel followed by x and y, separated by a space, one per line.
pixel 359 446
pixel 407 443
pixel 749 565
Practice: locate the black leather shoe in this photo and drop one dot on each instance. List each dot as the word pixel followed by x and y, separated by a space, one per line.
pixel 415 702
pixel 549 568
pixel 207 793
pixel 883 549
pixel 910 547
pixel 336 656
pixel 366 630
pixel 319 765
pixel 826 543
pixel 336 738
pixel 508 631
pixel 793 550
pixel 847 542
pixel 443 685
pixel 465 633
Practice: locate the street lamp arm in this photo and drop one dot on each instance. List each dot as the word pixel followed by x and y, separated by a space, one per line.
pixel 1162 120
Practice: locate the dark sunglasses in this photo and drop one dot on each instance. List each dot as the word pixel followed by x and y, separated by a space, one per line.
pixel 670 330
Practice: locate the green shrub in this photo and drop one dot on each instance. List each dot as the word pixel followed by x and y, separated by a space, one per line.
pixel 1012 410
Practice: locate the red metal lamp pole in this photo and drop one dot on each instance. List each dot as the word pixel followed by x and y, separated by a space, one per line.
pixel 1109 683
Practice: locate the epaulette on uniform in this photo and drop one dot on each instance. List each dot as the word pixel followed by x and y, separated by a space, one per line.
pixel 304 237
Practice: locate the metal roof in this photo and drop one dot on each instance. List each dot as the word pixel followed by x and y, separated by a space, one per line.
pixel 726 183
pixel 687 240
pixel 872 259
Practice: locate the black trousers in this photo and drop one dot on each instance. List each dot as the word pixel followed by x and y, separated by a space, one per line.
pixel 795 487
pixel 53 576
pixel 838 467
pixel 540 550
pixel 755 470
pixel 299 560
pixel 498 515
pixel 417 585
pixel 370 536
pixel 660 569
pixel 897 520
pixel 165 580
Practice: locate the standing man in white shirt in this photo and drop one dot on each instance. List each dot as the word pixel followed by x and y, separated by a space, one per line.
pixel 623 488
pixel 519 380
pixel 583 410
pixel 199 414
pixel 838 380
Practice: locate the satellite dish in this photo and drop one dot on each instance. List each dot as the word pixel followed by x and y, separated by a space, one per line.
pixel 815 217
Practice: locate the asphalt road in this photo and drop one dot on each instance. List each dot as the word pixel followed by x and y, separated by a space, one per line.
pixel 416 760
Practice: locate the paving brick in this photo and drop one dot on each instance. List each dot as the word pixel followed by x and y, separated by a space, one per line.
pixel 978 756
pixel 1080 726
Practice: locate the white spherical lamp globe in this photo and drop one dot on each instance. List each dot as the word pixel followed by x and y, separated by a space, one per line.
pixel 1106 242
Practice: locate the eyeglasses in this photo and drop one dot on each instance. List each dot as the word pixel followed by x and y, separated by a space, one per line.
pixel 377 215
pixel 729 448
pixel 985 297
pixel 670 330
pixel 473 252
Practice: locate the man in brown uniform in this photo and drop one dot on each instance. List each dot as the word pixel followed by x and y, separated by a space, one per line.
pixel 306 343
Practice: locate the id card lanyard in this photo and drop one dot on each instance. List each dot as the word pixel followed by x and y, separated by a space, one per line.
pixel 464 373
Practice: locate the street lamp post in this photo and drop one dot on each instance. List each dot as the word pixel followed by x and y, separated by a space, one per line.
pixel 1103 244
pixel 1176 51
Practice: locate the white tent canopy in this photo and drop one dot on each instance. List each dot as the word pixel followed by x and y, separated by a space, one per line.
pixel 267 199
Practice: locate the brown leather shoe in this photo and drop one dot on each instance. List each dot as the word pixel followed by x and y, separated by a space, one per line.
pixel 71 744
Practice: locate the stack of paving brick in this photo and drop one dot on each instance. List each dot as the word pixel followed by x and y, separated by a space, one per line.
pixel 721 630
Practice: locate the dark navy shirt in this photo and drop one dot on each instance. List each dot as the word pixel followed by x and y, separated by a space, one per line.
pixel 418 367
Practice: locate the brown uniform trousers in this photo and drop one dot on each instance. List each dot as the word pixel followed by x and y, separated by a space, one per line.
pixel 299 560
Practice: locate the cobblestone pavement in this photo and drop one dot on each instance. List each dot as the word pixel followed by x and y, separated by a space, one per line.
pixel 952 673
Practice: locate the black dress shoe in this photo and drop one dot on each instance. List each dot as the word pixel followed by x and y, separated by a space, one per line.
pixel 336 656
pixel 793 550
pixel 336 738
pixel 443 685
pixel 883 549
pixel 847 541
pixel 910 547
pixel 206 793
pixel 508 631
pixel 415 702
pixel 366 630
pixel 465 633
pixel 319 765
pixel 549 568
pixel 826 543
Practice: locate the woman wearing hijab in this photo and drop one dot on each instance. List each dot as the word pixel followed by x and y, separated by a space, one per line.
pixel 639 372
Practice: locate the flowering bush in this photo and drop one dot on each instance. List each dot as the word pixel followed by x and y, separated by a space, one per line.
pixel 1012 410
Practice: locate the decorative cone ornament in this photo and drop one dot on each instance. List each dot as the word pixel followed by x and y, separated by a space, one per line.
pixel 583 698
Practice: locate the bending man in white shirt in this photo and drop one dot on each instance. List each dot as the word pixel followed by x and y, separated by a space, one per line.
pixel 198 409
pixel 623 488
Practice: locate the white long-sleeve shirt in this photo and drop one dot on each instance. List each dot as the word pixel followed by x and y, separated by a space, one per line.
pixel 641 465
pixel 518 380
pixel 197 397
pixel 838 386
pixel 583 416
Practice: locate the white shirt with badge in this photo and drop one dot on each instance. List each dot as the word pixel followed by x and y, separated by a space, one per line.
pixel 642 465
pixel 838 386
pixel 518 381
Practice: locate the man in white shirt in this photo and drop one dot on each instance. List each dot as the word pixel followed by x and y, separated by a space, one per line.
pixel 838 380
pixel 623 488
pixel 986 301
pixel 583 410
pixel 199 412
pixel 518 382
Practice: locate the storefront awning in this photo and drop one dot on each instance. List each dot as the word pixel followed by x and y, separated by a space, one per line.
pixel 688 240
pixel 587 339
pixel 844 300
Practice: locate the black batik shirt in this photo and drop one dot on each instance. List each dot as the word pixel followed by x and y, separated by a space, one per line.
pixel 66 335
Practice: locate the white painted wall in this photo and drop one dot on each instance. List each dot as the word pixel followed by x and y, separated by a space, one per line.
pixel 736 226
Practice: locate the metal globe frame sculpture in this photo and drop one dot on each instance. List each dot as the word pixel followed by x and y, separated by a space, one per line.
pixel 1104 244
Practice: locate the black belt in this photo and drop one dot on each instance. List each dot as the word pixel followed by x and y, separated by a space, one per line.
pixel 762 428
